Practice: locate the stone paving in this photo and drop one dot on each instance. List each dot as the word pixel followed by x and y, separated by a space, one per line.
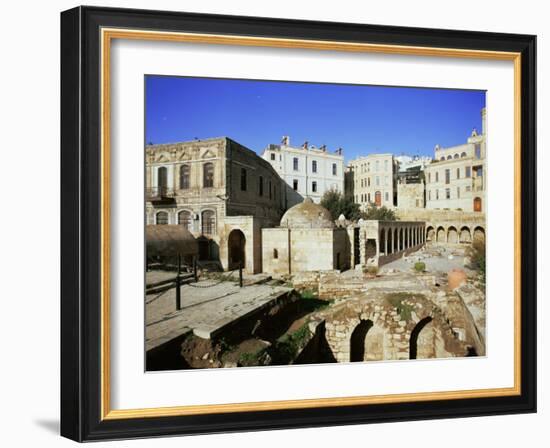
pixel 207 307
pixel 436 258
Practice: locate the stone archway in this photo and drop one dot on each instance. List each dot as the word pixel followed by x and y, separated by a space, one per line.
pixel 422 342
pixel 440 237
pixel 370 249
pixel 430 234
pixel 465 236
pixel 479 236
pixel 357 341
pixel 452 235
pixel 236 244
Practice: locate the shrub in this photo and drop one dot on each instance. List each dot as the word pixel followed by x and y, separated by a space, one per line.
pixel 373 270
pixel 420 266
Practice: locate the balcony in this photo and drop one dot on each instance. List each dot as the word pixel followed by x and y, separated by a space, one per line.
pixel 159 194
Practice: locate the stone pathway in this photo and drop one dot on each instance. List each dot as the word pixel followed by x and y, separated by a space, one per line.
pixel 207 307
pixel 436 258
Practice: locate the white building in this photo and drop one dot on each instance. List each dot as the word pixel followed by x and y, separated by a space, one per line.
pixel 372 180
pixel 456 179
pixel 412 162
pixel 308 171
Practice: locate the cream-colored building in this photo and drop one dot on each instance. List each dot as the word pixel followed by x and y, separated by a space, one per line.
pixel 220 191
pixel 306 240
pixel 308 171
pixel 456 178
pixel 372 180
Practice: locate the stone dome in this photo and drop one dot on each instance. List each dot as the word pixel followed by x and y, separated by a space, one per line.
pixel 307 215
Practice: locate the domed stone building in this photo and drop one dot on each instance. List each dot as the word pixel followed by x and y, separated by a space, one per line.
pixel 306 240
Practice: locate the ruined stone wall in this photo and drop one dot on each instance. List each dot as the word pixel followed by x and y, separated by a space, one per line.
pixel 394 327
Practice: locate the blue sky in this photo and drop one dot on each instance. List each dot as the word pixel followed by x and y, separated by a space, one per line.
pixel 360 119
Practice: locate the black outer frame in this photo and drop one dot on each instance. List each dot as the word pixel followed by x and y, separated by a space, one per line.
pixel 81 207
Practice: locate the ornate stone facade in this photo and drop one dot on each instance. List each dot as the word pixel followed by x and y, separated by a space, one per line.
pixel 222 192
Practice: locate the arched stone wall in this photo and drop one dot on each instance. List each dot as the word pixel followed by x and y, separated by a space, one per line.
pixel 390 327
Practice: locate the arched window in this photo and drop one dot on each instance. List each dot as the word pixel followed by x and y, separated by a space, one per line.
pixel 208 175
pixel 456 156
pixel 275 253
pixel 208 222
pixel 185 171
pixel 162 179
pixel 463 155
pixel 162 218
pixel 449 157
pixel 185 219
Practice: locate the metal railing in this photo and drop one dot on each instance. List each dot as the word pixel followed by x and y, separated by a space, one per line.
pixel 159 192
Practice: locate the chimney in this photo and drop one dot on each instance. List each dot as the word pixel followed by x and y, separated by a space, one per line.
pixel 323 148
pixel 285 140
pixel 305 145
pixel 339 151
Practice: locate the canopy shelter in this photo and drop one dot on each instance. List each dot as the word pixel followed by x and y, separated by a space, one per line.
pixel 170 240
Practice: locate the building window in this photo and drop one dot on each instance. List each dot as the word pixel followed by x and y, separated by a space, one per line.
pixel 387 196
pixel 185 219
pixel 449 157
pixel 314 187
pixel 456 156
pixel 458 192
pixel 463 154
pixel 208 222
pixel 368 181
pixel 334 170
pixel 261 186
pixel 243 179
pixel 430 195
pixel 162 179
pixel 185 171
pixel 468 171
pixel 386 180
pixel 429 177
pixel 478 151
pixel 458 173
pixel 162 218
pixel 275 253
pixel 295 184
pixel 295 163
pixel 208 175
pixel 437 176
pixel 272 156
pixel 314 166
pixel 368 197
pixel 468 188
pixel 377 181
pixel 437 195
pixel 447 193
pixel 385 165
pixel 447 176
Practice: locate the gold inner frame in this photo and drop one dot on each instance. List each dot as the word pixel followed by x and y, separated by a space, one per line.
pixel 107 35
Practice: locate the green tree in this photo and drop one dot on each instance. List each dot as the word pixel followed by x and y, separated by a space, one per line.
pixel 338 204
pixel 379 213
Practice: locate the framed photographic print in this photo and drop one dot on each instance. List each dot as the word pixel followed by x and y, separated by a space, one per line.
pixel 275 223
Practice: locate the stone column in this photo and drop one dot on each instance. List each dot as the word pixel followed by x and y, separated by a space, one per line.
pixel 385 241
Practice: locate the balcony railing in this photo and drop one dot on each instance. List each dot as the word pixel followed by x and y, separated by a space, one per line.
pixel 159 193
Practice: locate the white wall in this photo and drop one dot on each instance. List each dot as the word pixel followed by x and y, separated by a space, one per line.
pixel 30 132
